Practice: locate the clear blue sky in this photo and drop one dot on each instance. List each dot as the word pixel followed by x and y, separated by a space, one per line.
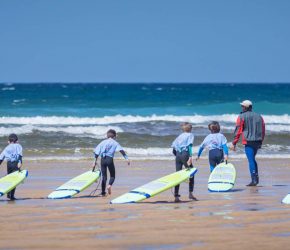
pixel 145 41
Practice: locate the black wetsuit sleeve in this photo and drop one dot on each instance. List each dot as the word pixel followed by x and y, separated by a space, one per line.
pixel 124 154
pixel 20 159
pixel 174 151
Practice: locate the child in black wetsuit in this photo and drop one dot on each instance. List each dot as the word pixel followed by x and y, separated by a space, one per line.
pixel 106 150
pixel 182 149
pixel 13 155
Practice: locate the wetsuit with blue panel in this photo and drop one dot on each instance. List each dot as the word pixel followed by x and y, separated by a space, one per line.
pixel 106 150
pixel 13 155
pixel 182 149
pixel 217 145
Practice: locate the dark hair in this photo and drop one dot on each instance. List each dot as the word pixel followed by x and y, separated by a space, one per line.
pixel 111 133
pixel 186 127
pixel 214 127
pixel 12 138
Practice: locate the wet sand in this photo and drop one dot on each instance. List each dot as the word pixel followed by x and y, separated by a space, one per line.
pixel 247 218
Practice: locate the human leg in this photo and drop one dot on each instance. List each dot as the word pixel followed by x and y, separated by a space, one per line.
pixel 178 166
pixel 104 175
pixel 112 171
pixel 253 167
pixel 11 167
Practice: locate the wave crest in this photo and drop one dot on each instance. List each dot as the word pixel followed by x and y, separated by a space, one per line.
pixel 94 131
pixel 71 120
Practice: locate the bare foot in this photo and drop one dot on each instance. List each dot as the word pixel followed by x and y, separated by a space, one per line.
pixel 176 199
pixel 191 197
pixel 109 188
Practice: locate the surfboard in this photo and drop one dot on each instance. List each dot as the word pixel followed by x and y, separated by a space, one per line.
pixel 155 187
pixel 222 178
pixel 286 199
pixel 75 185
pixel 11 181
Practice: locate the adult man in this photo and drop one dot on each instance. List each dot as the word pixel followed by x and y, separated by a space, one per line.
pixel 252 128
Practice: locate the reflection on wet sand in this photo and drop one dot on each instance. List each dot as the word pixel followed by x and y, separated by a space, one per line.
pixel 157 223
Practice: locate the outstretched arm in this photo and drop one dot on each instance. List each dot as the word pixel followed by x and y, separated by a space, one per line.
pixel 125 156
pixel 201 148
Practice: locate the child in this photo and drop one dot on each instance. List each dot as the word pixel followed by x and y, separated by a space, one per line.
pixel 217 145
pixel 182 149
pixel 106 150
pixel 13 154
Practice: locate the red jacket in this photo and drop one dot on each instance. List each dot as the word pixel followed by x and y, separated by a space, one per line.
pixel 251 126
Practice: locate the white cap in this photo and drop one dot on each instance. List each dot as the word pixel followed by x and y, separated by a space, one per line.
pixel 246 103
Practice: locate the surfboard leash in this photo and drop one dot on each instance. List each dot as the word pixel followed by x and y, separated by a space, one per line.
pixel 99 181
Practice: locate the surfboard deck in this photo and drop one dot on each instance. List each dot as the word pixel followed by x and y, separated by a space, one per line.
pixel 286 199
pixel 11 181
pixel 222 178
pixel 75 185
pixel 155 187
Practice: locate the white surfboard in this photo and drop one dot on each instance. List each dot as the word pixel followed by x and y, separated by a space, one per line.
pixel 11 181
pixel 155 187
pixel 286 199
pixel 75 185
pixel 222 178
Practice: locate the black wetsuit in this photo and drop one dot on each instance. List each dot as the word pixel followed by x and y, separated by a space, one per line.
pixel 12 167
pixel 107 162
pixel 181 159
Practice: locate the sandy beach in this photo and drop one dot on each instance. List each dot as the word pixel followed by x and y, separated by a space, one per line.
pixel 252 218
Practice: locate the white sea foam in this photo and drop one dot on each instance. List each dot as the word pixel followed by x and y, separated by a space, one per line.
pixel 8 88
pixel 94 131
pixel 26 129
pixel 151 157
pixel 195 119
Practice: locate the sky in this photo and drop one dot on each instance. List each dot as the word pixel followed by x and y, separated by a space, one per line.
pixel 144 41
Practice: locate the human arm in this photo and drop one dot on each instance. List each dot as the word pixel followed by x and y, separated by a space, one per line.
pixel 263 129
pixel 238 131
pixel 19 165
pixel 190 151
pixel 2 157
pixel 19 156
pixel 201 148
pixel 95 161
pixel 226 151
pixel 125 156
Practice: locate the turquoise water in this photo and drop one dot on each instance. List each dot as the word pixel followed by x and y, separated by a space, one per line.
pixel 68 119
pixel 97 100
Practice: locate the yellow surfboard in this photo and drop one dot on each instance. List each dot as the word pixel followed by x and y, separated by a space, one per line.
pixel 11 181
pixel 155 187
pixel 75 185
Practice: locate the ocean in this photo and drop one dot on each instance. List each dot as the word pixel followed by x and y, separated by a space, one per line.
pixel 66 121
